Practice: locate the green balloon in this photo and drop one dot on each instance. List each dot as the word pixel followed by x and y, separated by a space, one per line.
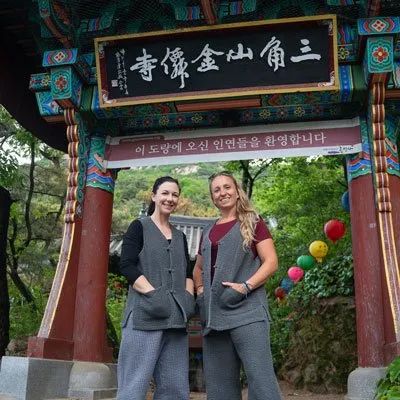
pixel 305 262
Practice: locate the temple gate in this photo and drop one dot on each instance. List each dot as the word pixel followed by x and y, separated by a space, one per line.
pixel 260 79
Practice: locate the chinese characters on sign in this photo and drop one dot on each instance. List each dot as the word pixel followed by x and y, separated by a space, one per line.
pixel 216 61
pixel 179 65
pixel 275 56
pixel 121 81
pixel 144 65
pixel 169 149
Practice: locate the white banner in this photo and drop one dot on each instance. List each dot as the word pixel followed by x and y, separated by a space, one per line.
pixel 239 143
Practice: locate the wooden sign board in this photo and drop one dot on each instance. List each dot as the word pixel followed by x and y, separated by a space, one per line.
pixel 231 60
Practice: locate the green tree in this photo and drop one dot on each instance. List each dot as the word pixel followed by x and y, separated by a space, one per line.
pixel 8 167
pixel 39 198
pixel 250 171
pixel 32 176
pixel 299 196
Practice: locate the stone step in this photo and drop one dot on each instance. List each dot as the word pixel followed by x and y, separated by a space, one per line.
pixel 3 397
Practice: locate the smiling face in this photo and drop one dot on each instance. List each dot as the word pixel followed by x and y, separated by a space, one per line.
pixel 166 198
pixel 223 192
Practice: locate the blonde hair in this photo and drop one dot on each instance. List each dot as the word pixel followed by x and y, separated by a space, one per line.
pixel 245 212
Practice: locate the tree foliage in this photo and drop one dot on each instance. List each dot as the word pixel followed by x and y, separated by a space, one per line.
pixel 389 386
pixel 34 177
pixel 298 197
pixel 35 223
pixel 10 132
pixel 250 171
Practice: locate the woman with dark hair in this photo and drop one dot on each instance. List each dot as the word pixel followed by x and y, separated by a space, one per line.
pixel 236 257
pixel 160 301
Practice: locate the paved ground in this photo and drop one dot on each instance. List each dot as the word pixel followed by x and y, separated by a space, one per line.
pixel 288 394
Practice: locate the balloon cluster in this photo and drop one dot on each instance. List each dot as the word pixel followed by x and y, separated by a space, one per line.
pixel 334 230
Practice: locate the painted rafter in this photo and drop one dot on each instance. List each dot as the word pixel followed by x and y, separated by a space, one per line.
pixel 209 13
pixel 374 8
pixel 45 11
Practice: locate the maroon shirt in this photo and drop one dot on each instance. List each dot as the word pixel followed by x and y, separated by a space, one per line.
pixel 218 231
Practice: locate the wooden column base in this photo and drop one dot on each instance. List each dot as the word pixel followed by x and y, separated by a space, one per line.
pixel 59 349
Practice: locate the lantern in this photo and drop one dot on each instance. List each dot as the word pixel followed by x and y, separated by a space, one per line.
pixel 318 250
pixel 346 201
pixel 306 262
pixel 286 284
pixel 295 273
pixel 334 229
pixel 280 293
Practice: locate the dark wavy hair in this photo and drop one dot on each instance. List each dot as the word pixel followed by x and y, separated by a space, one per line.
pixel 158 182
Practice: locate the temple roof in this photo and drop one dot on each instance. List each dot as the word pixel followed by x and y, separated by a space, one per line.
pixel 31 27
pixel 21 58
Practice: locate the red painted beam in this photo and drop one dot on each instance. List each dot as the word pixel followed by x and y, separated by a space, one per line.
pixel 218 105
pixel 392 94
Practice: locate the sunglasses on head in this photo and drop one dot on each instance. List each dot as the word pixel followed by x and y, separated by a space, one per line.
pixel 222 173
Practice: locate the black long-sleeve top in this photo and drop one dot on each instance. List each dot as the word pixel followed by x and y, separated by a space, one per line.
pixel 131 247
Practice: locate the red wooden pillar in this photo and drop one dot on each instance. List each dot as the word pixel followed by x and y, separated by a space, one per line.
pixel 90 342
pixel 367 272
pixel 55 337
pixel 90 332
pixel 382 142
pixel 392 346
pixel 385 200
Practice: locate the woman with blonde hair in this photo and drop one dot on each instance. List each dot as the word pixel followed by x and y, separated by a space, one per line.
pixel 236 257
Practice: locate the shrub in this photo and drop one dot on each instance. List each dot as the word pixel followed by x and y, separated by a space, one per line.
pixel 389 387
pixel 313 335
pixel 322 345
pixel 25 318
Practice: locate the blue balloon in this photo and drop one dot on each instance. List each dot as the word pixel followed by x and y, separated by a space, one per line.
pixel 286 284
pixel 346 201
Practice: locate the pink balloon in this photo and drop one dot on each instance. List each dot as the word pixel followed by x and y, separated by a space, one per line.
pixel 295 273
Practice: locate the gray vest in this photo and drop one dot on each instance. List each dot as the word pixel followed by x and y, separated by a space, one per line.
pixel 164 266
pixel 221 307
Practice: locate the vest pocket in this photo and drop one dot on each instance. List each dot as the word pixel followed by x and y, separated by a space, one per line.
pixel 189 304
pixel 125 318
pixel 201 306
pixel 233 302
pixel 185 301
pixel 155 304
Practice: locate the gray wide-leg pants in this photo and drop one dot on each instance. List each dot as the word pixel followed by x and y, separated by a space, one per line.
pixel 223 353
pixel 162 354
